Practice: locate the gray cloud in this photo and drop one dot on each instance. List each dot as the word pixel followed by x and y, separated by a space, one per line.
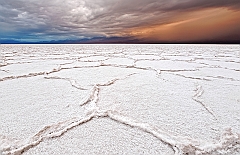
pixel 47 19
pixel 200 4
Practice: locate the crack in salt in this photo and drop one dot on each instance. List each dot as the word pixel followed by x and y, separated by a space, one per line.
pixel 225 78
pixel 31 74
pixel 180 145
pixel 22 76
pixel 95 90
pixel 92 95
pixel 228 141
pixel 59 68
pixel 199 91
pixel 194 78
pixel 6 71
pixel 72 82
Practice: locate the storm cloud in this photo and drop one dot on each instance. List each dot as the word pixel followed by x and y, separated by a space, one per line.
pixel 35 20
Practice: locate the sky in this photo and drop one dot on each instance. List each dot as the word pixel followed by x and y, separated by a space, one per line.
pixel 119 21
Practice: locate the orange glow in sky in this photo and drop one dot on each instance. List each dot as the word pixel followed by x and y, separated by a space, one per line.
pixel 204 24
pixel 114 21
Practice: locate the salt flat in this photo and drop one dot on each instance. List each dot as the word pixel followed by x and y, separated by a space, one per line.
pixel 120 99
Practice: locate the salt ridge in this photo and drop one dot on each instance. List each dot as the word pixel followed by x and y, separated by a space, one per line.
pixel 228 142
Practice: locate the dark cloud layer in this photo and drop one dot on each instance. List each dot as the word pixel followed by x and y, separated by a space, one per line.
pixel 200 4
pixel 43 20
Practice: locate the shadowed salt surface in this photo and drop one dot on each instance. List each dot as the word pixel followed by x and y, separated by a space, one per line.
pixel 120 99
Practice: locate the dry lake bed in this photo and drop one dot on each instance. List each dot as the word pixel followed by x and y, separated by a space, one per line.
pixel 120 99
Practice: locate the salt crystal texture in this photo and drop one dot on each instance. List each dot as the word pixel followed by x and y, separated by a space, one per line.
pixel 120 99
